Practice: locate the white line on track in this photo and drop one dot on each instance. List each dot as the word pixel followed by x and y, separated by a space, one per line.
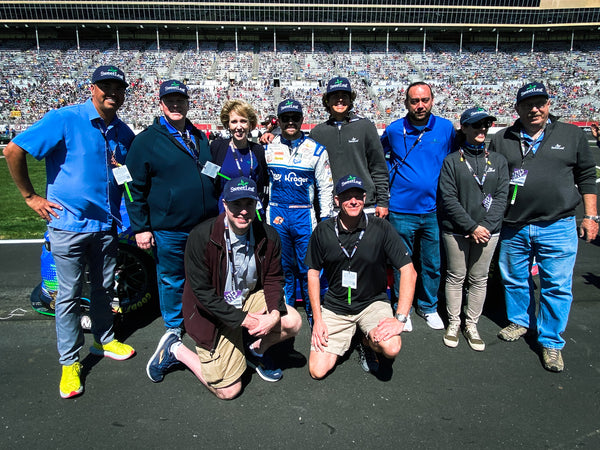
pixel 21 241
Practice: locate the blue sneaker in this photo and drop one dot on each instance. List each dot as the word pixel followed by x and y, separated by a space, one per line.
pixel 163 358
pixel 264 366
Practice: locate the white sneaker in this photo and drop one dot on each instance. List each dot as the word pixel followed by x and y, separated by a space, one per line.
pixel 407 325
pixel 433 320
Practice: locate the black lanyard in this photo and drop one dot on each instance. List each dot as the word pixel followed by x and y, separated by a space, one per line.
pixel 238 159
pixel 190 145
pixel 360 236
pixel 479 181
pixel 401 162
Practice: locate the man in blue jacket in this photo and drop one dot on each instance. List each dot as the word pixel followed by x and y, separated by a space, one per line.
pixel 170 195
pixel 417 145
pixel 84 147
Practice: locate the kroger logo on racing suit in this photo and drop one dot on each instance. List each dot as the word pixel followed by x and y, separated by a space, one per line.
pixel 293 178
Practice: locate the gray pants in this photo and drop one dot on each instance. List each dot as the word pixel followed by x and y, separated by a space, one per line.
pixel 71 251
pixel 464 257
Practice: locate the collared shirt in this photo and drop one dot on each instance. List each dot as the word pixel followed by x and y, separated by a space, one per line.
pixel 245 276
pixel 78 148
pixel 191 147
pixel 379 244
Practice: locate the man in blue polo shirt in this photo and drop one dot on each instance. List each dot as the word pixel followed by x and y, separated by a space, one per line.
pixel 84 147
pixel 417 145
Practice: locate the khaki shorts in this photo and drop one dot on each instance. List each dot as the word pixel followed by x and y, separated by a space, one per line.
pixel 228 362
pixel 341 327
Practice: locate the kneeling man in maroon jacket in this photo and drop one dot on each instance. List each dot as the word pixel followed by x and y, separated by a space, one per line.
pixel 233 304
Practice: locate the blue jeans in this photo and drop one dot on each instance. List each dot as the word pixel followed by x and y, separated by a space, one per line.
pixel 170 273
pixel 71 251
pixel 554 246
pixel 425 228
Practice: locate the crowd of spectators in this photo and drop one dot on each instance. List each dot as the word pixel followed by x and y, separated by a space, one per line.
pixel 34 81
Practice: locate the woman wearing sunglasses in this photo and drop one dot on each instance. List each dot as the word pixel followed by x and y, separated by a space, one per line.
pixel 473 189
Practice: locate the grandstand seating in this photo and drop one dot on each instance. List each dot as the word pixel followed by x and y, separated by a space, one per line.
pixel 32 81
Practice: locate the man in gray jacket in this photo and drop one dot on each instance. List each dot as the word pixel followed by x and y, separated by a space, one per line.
pixel 353 145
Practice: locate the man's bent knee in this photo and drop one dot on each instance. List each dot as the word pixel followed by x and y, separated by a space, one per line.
pixel 229 392
pixel 291 322
pixel 320 364
pixel 391 347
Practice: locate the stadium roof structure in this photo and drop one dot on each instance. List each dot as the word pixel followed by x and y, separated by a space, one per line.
pixel 330 19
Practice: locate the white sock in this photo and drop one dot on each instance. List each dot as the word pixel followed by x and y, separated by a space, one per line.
pixel 258 355
pixel 174 347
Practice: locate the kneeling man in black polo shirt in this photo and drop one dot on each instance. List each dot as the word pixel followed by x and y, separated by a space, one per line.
pixel 353 250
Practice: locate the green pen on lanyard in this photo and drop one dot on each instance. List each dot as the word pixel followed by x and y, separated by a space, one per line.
pixel 224 176
pixel 349 296
pixel 514 196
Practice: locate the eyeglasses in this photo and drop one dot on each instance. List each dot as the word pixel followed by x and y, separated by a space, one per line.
pixel 285 118
pixel 482 124
pixel 533 104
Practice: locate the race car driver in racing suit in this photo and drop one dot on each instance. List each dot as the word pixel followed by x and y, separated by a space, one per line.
pixel 297 165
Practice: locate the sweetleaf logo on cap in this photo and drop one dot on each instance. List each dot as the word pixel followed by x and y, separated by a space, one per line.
pixel 108 73
pixel 533 89
pixel 348 182
pixel 173 87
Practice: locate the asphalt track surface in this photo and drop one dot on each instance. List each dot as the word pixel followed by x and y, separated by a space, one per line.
pixel 436 397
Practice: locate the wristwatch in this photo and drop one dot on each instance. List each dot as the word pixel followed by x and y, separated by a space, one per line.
pixel 401 318
pixel 594 218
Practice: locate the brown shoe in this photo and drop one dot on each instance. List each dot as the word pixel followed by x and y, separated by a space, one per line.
pixel 552 359
pixel 512 332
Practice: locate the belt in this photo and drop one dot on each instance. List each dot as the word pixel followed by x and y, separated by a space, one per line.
pixel 291 206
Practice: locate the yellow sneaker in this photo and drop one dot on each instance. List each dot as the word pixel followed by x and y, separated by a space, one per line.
pixel 113 349
pixel 70 382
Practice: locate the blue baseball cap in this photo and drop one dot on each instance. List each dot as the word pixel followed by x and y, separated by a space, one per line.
pixel 290 105
pixel 109 73
pixel 534 89
pixel 349 182
pixel 173 87
pixel 241 187
pixel 474 115
pixel 338 84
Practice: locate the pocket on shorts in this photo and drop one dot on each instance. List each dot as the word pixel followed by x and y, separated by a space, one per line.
pixel 210 365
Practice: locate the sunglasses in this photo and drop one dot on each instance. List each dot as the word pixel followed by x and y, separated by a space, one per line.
pixel 486 123
pixel 284 118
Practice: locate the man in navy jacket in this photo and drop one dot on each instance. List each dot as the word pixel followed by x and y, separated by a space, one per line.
pixel 170 195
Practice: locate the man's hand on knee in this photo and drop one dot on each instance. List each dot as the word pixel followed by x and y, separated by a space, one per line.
pixel 386 329
pixel 320 336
